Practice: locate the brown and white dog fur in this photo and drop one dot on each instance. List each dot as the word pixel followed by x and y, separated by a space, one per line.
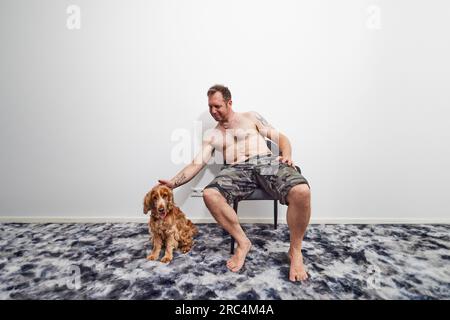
pixel 167 225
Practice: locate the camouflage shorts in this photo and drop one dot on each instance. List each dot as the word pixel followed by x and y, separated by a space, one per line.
pixel 238 181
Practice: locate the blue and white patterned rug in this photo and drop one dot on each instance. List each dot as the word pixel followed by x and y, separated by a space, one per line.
pixel 107 261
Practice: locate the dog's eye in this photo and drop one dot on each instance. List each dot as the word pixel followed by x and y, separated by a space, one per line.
pixel 165 196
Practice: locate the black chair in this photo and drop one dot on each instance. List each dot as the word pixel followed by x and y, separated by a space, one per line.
pixel 261 194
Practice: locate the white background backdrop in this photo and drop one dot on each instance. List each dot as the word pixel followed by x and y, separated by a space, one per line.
pixel 87 115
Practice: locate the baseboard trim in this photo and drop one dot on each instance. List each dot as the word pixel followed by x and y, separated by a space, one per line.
pixel 144 219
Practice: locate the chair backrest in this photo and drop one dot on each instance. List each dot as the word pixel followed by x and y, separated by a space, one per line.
pixel 273 146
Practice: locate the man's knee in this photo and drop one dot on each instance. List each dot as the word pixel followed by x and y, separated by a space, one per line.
pixel 211 194
pixel 299 193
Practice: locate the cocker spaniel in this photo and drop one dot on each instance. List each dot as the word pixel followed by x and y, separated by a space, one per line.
pixel 167 225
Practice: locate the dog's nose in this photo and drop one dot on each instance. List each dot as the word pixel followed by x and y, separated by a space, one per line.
pixel 161 209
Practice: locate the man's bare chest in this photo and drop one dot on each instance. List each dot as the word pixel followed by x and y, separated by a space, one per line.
pixel 229 136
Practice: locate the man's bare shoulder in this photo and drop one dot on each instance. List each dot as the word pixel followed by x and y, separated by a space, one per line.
pixel 257 118
pixel 251 115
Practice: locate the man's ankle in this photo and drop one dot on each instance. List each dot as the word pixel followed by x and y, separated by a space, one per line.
pixel 295 251
pixel 244 242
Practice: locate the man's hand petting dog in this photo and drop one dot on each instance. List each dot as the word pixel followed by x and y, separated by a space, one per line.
pixel 166 183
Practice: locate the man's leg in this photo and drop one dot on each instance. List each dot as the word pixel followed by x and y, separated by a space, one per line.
pixel 298 214
pixel 225 215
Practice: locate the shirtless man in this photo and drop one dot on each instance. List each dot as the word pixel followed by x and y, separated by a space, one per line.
pixel 249 163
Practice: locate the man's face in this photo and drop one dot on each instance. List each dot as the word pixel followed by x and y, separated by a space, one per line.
pixel 218 109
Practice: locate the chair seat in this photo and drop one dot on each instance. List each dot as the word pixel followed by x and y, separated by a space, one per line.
pixel 260 194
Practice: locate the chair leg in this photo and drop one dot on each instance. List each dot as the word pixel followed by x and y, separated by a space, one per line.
pixel 275 213
pixel 232 245
pixel 235 207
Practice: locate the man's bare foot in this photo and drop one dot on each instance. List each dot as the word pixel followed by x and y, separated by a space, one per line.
pixel 297 272
pixel 236 262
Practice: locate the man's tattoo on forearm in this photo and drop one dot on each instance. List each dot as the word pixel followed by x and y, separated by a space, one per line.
pixel 179 179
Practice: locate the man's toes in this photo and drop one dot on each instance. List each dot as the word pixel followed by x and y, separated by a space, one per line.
pixel 300 276
pixel 232 269
pixel 235 268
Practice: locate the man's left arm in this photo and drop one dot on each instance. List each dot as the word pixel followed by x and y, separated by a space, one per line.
pixel 268 131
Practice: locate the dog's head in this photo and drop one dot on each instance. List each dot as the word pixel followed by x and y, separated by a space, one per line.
pixel 159 201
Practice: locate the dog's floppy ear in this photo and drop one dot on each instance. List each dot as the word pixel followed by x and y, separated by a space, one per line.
pixel 147 202
pixel 170 201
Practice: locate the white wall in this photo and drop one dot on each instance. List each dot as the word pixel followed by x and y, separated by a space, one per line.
pixel 87 115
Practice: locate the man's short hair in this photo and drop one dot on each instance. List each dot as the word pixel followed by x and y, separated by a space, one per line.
pixel 226 94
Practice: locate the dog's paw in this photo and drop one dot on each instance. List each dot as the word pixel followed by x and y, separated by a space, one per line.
pixel 152 257
pixel 166 259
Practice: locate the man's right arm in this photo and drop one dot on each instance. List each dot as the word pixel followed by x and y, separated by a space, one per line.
pixel 192 169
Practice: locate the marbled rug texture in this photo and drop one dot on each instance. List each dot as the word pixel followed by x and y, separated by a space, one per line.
pixel 108 261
